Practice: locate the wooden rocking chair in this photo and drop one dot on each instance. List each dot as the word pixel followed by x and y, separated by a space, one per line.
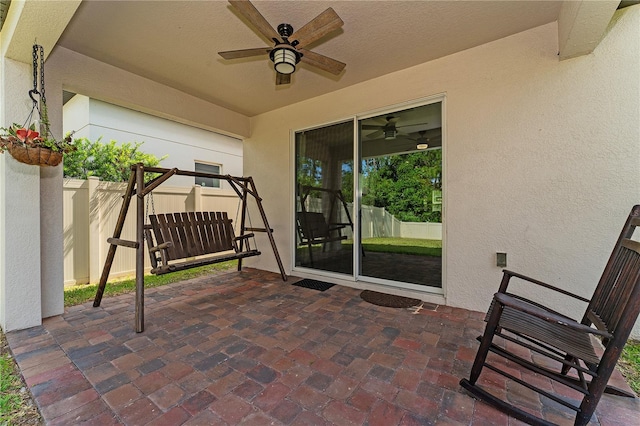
pixel 585 352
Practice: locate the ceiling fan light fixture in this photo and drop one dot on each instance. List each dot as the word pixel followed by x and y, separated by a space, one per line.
pixel 284 60
pixel 422 145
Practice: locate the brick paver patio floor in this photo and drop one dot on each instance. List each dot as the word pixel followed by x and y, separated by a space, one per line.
pixel 246 348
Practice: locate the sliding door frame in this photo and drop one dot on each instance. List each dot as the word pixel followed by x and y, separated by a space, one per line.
pixel 357 254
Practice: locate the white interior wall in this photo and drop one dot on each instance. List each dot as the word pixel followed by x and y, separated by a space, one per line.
pixel 542 159
pixel 182 144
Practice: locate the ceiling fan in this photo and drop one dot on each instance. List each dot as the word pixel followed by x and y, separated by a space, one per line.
pixel 289 47
pixel 388 130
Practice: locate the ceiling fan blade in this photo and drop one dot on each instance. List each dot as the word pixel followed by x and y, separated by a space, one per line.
pixel 371 127
pixel 244 53
pixel 376 135
pixel 282 78
pixel 318 27
pixel 249 11
pixel 323 62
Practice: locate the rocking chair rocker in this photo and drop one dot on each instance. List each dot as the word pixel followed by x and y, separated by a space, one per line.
pixel 588 348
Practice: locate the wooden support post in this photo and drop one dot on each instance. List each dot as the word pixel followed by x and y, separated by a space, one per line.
pixel 243 217
pixel 158 181
pixel 254 192
pixel 116 234
pixel 139 314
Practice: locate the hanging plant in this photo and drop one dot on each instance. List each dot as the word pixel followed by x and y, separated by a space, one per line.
pixel 24 142
pixel 28 146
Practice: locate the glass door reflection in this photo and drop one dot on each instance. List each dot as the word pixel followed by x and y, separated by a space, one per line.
pixel 400 177
pixel 324 198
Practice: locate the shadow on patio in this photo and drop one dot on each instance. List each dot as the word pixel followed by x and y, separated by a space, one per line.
pixel 247 348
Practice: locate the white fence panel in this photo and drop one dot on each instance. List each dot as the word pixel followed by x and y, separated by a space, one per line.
pixel 424 230
pixel 90 213
pixel 378 222
pixel 76 231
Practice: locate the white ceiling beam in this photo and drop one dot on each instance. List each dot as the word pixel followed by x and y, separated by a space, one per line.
pixel 31 22
pixel 582 24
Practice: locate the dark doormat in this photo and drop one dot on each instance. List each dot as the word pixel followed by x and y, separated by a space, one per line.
pixel 388 300
pixel 314 284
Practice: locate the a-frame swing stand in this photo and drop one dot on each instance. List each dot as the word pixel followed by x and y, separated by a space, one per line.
pixel 200 226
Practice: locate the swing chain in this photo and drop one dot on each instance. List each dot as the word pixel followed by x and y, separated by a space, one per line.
pixel 146 212
pixel 153 207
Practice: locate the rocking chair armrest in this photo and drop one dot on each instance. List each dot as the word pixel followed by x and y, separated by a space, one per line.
pixel 243 237
pixel 508 274
pixel 547 315
pixel 162 246
pixel 336 226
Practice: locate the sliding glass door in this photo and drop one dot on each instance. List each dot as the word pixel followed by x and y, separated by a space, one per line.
pixel 400 178
pixel 324 198
pixel 390 232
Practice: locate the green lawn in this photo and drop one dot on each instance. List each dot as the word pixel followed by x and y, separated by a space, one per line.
pixel 16 404
pixel 416 246
pixel 629 364
pixel 10 385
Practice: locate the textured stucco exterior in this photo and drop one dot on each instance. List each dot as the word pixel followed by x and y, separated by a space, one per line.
pixel 542 156
pixel 31 252
pixel 20 289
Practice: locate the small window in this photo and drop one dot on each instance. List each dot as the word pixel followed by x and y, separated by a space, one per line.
pixel 207 181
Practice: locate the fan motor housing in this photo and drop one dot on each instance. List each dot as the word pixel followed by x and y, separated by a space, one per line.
pixel 285 30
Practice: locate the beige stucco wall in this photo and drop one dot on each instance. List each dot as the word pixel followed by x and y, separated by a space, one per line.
pixel 542 157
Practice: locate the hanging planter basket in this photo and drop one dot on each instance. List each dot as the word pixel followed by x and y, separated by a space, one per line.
pixel 35 156
pixel 24 143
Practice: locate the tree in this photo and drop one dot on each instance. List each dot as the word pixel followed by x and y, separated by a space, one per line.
pixel 110 162
pixel 404 185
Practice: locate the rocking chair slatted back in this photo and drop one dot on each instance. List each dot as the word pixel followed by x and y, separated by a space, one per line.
pixel 614 291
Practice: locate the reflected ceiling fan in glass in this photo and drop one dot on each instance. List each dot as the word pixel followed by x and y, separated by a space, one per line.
pixel 388 130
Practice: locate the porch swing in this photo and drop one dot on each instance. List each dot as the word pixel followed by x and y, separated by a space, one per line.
pixel 184 240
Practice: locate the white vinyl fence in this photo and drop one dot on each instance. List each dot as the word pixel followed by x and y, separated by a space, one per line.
pixel 378 222
pixel 91 209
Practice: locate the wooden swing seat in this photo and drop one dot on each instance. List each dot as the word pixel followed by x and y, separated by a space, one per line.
pixel 178 241
pixel 193 239
pixel 314 229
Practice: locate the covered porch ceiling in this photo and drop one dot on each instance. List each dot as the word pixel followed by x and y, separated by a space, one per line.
pixel 176 43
